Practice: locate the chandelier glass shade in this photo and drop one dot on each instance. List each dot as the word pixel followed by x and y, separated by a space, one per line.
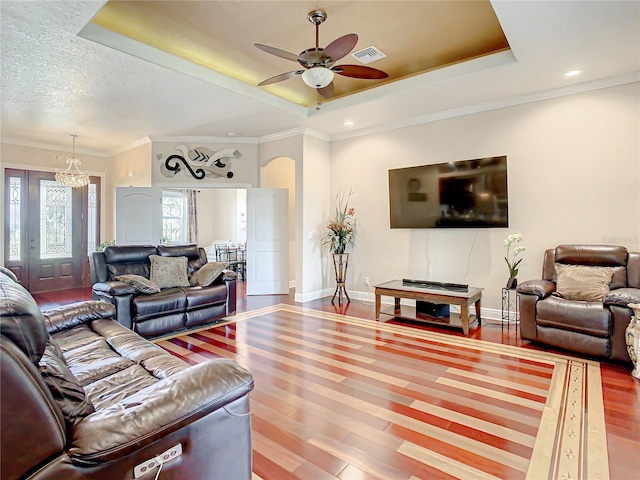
pixel 72 176
pixel 318 77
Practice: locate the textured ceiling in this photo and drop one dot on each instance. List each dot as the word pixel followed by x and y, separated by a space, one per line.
pixel 220 35
pixel 55 82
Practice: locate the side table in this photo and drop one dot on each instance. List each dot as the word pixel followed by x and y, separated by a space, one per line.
pixel 510 312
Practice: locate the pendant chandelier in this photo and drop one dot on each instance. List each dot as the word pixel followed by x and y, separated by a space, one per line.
pixel 73 176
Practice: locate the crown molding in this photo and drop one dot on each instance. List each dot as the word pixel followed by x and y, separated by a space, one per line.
pixel 294 132
pixel 219 140
pixel 494 105
pixel 136 144
pixel 55 147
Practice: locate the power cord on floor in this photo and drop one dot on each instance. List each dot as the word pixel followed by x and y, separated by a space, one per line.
pixel 158 473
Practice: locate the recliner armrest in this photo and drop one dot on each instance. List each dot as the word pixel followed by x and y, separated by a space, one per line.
pixel 113 288
pixel 157 410
pixel 622 297
pixel 540 288
pixel 68 316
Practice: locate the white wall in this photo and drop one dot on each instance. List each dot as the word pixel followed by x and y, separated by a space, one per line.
pixel 133 167
pixel 574 177
pixel 280 173
pixel 313 177
pixel 217 215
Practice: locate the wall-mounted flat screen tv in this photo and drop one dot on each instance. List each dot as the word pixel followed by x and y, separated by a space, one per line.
pixel 462 194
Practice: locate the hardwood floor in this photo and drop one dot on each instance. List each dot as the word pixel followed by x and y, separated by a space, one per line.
pixel 319 412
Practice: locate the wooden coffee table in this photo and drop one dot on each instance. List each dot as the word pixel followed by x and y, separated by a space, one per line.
pixel 396 289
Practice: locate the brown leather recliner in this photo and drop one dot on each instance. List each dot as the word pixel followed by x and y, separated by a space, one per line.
pixel 82 397
pixel 172 309
pixel 594 328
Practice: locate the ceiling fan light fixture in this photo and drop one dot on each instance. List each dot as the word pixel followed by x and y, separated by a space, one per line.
pixel 318 77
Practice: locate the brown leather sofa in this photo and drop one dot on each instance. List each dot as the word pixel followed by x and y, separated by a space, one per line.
pixel 172 309
pixel 82 397
pixel 593 328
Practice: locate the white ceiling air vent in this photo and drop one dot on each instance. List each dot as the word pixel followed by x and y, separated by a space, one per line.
pixel 368 55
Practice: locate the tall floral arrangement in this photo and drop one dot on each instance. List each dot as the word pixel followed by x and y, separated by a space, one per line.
pixel 342 228
pixel 512 255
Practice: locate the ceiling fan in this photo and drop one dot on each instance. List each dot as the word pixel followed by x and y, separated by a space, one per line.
pixel 319 63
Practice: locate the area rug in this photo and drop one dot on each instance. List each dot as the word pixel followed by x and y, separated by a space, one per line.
pixel 342 397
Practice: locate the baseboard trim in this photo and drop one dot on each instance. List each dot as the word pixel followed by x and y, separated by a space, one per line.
pixel 307 297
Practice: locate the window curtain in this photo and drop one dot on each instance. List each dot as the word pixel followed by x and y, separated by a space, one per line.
pixel 192 217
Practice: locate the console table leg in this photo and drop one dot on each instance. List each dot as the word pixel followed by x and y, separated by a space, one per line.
pixel 464 318
pixel 396 304
pixel 478 312
pixel 377 307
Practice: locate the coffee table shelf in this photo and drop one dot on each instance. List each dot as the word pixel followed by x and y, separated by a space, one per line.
pixel 398 290
pixel 407 312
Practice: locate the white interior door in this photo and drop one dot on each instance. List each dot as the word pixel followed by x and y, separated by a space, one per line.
pixel 267 241
pixel 138 216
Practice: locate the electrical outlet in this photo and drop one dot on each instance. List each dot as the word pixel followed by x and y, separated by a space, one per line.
pixel 146 467
pixel 150 465
pixel 173 452
pixel 366 281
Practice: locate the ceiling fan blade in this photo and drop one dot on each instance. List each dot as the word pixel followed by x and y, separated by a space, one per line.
pixel 280 78
pixel 279 53
pixel 340 47
pixel 359 71
pixel 326 92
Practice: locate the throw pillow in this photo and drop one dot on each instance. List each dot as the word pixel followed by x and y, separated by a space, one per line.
pixel 64 386
pixel 167 272
pixel 207 273
pixel 143 285
pixel 581 282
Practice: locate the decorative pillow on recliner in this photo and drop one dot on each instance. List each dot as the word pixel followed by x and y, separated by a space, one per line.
pixel 167 272
pixel 582 282
pixel 207 273
pixel 143 285
pixel 64 386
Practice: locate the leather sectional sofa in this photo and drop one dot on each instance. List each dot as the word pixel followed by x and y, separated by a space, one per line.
pixel 590 327
pixel 82 397
pixel 170 310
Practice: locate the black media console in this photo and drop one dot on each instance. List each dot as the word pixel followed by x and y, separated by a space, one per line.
pixel 454 287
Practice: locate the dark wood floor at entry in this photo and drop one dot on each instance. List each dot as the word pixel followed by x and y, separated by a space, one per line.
pixel 621 393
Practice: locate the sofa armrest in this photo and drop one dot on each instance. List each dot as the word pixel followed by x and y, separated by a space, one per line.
pixel 113 288
pixel 622 297
pixel 69 316
pixel 539 288
pixel 157 411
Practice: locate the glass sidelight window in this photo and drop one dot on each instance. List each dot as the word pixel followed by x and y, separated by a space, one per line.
pixel 15 218
pixel 92 218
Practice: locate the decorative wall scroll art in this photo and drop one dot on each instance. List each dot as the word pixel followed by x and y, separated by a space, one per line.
pixel 200 162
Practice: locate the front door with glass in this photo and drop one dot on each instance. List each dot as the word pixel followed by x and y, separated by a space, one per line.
pixel 48 229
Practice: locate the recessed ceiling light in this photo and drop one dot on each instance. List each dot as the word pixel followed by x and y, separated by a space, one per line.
pixel 348 123
pixel 573 73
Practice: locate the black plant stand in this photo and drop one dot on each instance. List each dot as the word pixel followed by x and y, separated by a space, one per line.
pixel 340 265
pixel 510 312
